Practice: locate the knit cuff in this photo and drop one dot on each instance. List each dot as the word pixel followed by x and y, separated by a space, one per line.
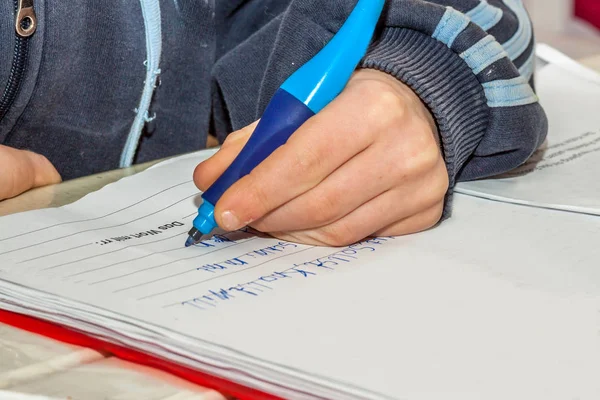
pixel 445 84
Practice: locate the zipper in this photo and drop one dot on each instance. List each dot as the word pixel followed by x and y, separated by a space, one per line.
pixel 25 26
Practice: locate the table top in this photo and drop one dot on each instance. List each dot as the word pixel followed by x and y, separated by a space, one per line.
pixel 32 364
pixel 592 62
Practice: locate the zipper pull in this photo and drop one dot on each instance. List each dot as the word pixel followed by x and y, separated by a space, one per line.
pixel 26 22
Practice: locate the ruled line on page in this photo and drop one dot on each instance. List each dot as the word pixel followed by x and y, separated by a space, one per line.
pixel 170 262
pixel 96 218
pixel 99 229
pixel 221 276
pixel 133 259
pixel 98 255
pixel 253 282
pixel 125 261
pixel 174 275
pixel 56 252
pixel 105 253
pixel 155 280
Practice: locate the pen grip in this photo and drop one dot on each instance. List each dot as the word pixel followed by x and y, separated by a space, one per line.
pixel 282 117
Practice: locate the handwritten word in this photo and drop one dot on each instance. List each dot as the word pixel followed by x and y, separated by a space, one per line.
pixel 326 264
pixel 213 241
pixel 244 258
pixel 139 235
pixel 542 159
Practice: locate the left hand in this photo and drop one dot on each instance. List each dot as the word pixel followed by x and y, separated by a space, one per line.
pixel 22 170
pixel 368 164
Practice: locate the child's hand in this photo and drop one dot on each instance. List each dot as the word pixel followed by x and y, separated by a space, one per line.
pixel 369 164
pixel 21 170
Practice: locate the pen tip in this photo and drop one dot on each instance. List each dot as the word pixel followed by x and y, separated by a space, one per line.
pixel 189 241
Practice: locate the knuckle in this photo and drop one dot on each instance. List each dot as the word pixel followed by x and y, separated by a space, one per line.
pixel 439 182
pixel 258 199
pixel 306 159
pixel 408 167
pixel 389 100
pixel 420 157
pixel 430 156
pixel 387 111
pixel 422 133
pixel 20 174
pixel 228 141
pixel 443 181
pixel 241 134
pixel 262 225
pixel 385 108
pixel 199 179
pixel 326 210
pixel 337 235
pixel 432 216
pixel 435 189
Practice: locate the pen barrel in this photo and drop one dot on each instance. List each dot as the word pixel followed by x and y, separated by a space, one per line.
pixel 324 76
pixel 282 117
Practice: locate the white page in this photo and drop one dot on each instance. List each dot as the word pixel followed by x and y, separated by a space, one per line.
pixel 546 54
pixel 564 173
pixel 499 302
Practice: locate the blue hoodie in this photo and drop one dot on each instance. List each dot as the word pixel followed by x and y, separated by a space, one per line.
pixel 99 85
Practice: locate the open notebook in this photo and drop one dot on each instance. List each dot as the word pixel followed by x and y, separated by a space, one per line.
pixel 502 301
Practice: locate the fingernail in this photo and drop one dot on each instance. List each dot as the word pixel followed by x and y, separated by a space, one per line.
pixel 230 221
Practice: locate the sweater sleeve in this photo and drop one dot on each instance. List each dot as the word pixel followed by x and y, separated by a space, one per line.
pixel 470 61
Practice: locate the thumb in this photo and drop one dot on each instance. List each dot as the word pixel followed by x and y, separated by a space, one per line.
pixel 207 172
pixel 21 170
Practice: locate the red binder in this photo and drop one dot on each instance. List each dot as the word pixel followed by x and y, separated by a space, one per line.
pixel 67 335
pixel 588 10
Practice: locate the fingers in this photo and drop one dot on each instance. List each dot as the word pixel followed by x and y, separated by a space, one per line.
pixel 44 172
pixel 354 183
pixel 370 163
pixel 316 150
pixel 23 170
pixel 422 221
pixel 372 218
pixel 207 172
pixel 419 179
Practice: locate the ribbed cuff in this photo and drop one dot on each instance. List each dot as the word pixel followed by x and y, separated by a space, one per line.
pixel 445 84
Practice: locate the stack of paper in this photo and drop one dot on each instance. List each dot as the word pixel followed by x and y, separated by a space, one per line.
pixel 564 173
pixel 500 302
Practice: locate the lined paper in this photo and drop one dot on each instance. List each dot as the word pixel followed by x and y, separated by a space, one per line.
pixel 501 301
pixel 464 309
pixel 563 173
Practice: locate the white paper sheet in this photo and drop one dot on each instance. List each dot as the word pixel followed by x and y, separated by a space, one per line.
pixel 564 173
pixel 500 302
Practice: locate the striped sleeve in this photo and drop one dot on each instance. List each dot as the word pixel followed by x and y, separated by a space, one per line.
pixel 472 64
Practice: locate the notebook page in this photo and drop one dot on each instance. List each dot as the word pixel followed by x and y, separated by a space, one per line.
pixel 563 173
pixel 465 309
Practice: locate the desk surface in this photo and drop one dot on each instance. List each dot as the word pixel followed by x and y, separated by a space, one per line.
pixel 31 364
pixel 592 62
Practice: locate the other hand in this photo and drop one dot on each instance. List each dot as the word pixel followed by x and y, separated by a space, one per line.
pixel 21 170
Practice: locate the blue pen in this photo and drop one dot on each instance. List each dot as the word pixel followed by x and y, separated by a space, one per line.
pixel 302 95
